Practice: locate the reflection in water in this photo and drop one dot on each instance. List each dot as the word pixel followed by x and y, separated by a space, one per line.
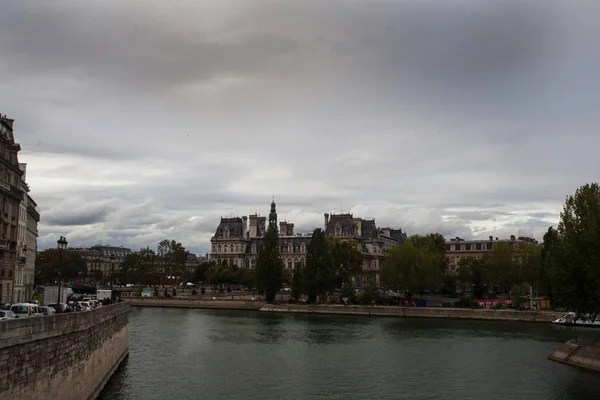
pixel 230 355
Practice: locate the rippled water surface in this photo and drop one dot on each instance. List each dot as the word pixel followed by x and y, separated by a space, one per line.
pixel 200 354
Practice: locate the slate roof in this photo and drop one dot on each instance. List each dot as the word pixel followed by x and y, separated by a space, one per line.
pixel 233 225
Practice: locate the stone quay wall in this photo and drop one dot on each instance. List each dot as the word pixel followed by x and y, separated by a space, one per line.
pixel 416 312
pixel 64 356
pixel 218 303
pixel 582 353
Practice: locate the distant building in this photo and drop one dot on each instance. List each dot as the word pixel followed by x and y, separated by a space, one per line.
pixel 103 259
pixel 458 249
pixel 235 243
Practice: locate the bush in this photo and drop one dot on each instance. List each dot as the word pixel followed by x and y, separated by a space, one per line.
pixel 194 292
pixel 202 290
pixel 498 306
pixel 447 305
pixel 228 289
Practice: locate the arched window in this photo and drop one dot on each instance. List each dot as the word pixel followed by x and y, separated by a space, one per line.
pixel 338 230
pixel 247 263
pixel 226 248
pixel 219 249
pixel 224 262
pixel 254 263
pixel 290 264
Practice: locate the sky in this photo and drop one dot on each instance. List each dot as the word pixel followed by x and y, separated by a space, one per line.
pixel 145 120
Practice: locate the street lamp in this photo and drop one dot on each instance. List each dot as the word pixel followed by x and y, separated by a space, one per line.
pixel 62 246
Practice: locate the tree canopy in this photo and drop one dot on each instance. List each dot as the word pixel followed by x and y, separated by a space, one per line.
pixel 49 264
pixel 571 254
pixel 318 272
pixel 411 267
pixel 269 267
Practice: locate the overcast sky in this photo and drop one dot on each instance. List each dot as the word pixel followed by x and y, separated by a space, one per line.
pixel 145 120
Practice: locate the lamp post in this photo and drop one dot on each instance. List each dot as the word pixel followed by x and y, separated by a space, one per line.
pixel 62 246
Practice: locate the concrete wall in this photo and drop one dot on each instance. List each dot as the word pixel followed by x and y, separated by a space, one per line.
pixel 66 356
pixel 584 354
pixel 417 312
pixel 197 303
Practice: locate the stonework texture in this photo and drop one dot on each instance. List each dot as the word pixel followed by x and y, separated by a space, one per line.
pixel 66 356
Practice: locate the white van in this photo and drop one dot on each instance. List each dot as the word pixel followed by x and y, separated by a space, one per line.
pixel 26 310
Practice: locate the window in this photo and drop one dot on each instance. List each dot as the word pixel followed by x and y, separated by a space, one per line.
pixel 254 263
pixel 289 264
pixel 247 264
pixel 452 247
pixel 219 249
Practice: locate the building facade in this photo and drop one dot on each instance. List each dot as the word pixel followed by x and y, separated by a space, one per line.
pixel 102 261
pixel 236 243
pixel 458 249
pixel 33 218
pixel 13 201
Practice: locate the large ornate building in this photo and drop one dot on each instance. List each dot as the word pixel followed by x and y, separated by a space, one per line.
pixel 236 243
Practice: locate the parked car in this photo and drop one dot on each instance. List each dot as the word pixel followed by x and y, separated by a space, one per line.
pixel 25 310
pixel 6 315
pixel 48 310
pixel 60 308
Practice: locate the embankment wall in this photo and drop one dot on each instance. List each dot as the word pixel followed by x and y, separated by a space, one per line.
pixel 584 354
pixel 65 356
pixel 416 312
pixel 218 303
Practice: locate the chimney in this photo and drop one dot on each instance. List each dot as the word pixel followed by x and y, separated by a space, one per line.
pixel 253 226
pixel 290 229
pixel 283 228
pixel 326 220
pixel 244 227
pixel 491 238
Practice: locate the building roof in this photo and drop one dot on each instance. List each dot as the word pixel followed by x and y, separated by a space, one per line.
pixel 230 228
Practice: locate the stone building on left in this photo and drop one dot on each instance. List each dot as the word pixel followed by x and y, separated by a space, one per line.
pixel 19 219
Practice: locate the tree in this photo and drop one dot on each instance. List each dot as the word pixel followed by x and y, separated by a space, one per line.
pixel 347 260
pixel 172 255
pixel 49 264
pixel 201 270
pixel 348 290
pixel 435 245
pixel 412 268
pixel 474 272
pixel 269 267
pixel 298 281
pixel 502 267
pixel 572 258
pixel 318 272
pixel 551 240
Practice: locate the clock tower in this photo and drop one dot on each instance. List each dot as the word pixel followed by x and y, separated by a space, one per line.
pixel 273 215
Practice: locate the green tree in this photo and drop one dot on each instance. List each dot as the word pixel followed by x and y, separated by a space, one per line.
pixel 348 290
pixel 474 272
pixel 435 245
pixel 50 265
pixel 502 267
pixel 172 256
pixel 347 260
pixel 298 282
pixel 318 272
pixel 412 268
pixel 551 240
pixel 269 267
pixel 574 259
pixel 369 294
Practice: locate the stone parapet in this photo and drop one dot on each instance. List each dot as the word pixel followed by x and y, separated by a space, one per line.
pixel 583 354
pixel 65 356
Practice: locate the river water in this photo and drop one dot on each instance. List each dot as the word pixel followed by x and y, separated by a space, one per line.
pixel 201 354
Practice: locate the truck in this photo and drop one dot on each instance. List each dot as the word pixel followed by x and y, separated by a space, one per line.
pixel 102 294
pixel 50 294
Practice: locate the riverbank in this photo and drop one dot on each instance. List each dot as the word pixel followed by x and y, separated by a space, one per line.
pixel 376 311
pixel 218 303
pixel 416 312
pixel 578 353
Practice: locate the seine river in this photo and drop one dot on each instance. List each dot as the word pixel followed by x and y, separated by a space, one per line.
pixel 200 354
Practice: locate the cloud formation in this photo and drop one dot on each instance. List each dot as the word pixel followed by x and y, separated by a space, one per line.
pixel 144 122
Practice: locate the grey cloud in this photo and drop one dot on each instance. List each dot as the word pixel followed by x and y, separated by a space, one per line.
pixel 464 119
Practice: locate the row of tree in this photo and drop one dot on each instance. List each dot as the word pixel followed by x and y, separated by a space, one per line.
pixel 330 264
